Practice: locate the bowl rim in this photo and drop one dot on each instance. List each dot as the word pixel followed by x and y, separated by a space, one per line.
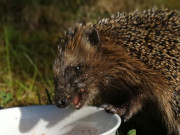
pixel 115 128
pixel 116 116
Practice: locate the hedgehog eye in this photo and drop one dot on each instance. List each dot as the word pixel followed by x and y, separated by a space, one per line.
pixel 77 68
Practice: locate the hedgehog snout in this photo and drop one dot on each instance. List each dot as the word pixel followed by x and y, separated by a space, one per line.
pixel 61 102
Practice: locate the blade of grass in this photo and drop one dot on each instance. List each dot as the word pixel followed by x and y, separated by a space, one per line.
pixel 7 44
pixel 21 85
pixel 49 97
pixel 36 68
pixel 34 76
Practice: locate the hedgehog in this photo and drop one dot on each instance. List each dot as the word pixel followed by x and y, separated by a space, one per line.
pixel 125 64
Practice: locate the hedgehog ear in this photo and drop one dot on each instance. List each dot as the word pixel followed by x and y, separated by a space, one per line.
pixel 92 36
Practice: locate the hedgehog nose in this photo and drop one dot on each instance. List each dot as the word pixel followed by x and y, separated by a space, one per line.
pixel 61 103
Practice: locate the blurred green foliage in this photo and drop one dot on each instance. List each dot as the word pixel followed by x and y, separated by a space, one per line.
pixel 132 132
pixel 29 30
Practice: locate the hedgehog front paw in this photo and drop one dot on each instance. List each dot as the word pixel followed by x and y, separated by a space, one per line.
pixel 123 111
pixel 113 109
pixel 109 108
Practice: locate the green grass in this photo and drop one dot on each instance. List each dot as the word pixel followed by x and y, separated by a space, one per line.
pixel 6 97
pixel 22 82
pixel 7 34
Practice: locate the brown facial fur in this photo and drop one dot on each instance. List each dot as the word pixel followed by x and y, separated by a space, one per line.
pixel 111 63
pixel 78 53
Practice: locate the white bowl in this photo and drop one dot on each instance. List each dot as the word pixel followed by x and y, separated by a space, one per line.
pixel 50 120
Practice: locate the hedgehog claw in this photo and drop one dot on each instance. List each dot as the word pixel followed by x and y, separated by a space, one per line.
pixel 122 111
pixel 109 108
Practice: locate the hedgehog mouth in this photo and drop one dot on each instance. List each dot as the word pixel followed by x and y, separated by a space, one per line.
pixel 77 101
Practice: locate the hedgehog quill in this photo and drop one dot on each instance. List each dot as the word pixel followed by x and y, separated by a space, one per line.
pixel 125 63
